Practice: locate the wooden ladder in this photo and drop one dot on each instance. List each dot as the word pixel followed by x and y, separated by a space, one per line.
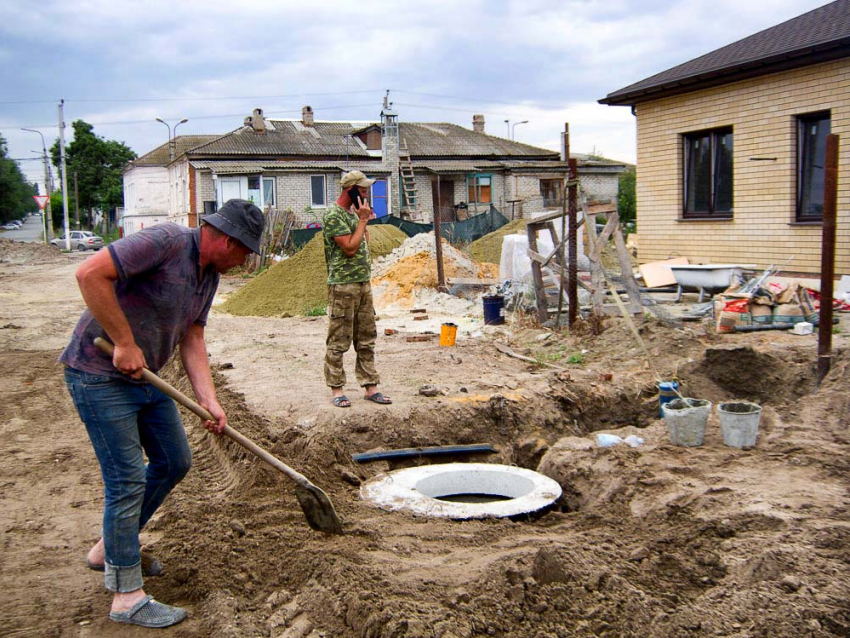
pixel 408 181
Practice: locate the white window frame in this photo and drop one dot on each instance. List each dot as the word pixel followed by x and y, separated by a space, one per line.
pixel 263 181
pixel 324 191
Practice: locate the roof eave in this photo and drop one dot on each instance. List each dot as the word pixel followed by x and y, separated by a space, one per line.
pixel 753 68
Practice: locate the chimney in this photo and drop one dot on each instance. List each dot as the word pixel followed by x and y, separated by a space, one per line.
pixel 478 123
pixel 256 121
pixel 307 115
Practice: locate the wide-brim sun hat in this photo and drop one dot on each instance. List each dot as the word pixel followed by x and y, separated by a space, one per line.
pixel 240 219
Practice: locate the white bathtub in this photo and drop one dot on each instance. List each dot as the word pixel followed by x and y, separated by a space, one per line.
pixel 711 277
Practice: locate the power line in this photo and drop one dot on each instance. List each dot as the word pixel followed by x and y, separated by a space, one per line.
pixel 190 117
pixel 192 99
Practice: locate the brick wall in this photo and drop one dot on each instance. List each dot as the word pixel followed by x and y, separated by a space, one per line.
pixel 762 112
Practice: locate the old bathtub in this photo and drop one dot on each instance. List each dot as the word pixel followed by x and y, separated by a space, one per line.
pixel 706 277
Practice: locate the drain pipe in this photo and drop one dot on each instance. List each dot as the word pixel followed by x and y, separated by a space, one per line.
pixel 827 269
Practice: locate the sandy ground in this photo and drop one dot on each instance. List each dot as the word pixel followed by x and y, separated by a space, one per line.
pixel 657 540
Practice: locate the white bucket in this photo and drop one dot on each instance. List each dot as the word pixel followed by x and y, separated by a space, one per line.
pixel 686 420
pixel 739 423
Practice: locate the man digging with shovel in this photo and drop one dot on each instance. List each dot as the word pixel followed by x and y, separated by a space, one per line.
pixel 147 294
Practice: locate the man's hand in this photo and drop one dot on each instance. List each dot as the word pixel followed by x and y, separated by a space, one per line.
pixel 129 359
pixel 217 426
pixel 363 209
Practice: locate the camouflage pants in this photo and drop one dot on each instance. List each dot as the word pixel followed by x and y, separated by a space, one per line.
pixel 351 317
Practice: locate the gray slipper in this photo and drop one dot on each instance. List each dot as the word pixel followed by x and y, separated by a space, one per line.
pixel 149 613
pixel 150 565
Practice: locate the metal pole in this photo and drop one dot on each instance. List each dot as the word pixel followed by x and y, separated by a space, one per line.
pixel 173 147
pixel 170 149
pixel 508 125
pixel 513 128
pixel 45 212
pixel 572 282
pixel 438 239
pixel 76 203
pixel 827 268
pixel 64 174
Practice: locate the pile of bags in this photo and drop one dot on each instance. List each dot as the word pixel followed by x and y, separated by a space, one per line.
pixel 773 303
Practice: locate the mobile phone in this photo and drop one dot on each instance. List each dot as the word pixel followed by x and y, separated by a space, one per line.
pixel 356 198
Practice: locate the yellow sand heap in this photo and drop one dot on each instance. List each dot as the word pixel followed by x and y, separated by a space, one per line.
pixel 298 285
pixel 489 248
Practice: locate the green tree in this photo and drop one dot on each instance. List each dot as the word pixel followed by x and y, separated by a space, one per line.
pixel 97 163
pixel 626 200
pixel 15 192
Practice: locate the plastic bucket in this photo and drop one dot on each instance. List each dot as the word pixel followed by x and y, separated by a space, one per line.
pixel 739 423
pixel 494 306
pixel 686 420
pixel 448 333
pixel 667 391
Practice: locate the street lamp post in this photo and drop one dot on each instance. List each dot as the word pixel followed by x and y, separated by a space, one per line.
pixel 48 188
pixel 171 138
pixel 508 126
pixel 513 128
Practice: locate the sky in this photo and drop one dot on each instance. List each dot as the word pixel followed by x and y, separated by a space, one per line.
pixel 119 65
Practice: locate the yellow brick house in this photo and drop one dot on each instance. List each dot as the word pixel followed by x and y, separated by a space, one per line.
pixel 731 147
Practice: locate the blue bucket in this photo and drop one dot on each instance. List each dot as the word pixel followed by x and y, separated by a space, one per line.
pixel 667 391
pixel 494 306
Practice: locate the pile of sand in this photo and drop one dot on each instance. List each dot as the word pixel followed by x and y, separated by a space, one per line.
pixel 298 285
pixel 489 248
pixel 18 252
pixel 412 267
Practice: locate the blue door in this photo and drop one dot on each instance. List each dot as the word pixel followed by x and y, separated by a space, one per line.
pixel 379 198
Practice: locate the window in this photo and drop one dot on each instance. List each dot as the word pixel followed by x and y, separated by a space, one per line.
pixel 268 192
pixel 812 130
pixel 708 174
pixel 480 188
pixel 552 191
pixel 317 190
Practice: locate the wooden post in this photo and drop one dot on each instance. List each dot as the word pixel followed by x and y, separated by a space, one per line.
pixel 438 239
pixel 572 243
pixel 537 273
pixel 827 268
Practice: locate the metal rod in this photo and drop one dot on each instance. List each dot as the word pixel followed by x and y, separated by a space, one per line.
pixel 438 241
pixel 827 269
pixel 572 273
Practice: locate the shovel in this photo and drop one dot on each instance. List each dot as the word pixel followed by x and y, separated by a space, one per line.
pixel 316 505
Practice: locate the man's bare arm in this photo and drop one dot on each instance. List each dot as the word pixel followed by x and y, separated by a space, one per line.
pixel 96 277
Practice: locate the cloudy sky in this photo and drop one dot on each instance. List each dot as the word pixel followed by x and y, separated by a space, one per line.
pixel 120 64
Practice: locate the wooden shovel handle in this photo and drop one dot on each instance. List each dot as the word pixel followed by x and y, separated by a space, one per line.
pixel 189 404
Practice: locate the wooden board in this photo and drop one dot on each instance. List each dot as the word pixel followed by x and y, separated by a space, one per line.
pixel 657 273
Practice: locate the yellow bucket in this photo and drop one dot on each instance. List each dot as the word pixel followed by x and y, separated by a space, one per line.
pixel 448 332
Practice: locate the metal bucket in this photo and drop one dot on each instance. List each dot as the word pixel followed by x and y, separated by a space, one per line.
pixel 739 423
pixel 686 420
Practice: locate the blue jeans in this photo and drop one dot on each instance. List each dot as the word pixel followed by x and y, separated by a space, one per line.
pixel 124 419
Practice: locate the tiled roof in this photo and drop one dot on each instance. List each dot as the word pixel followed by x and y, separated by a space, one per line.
pixel 182 143
pixel 816 36
pixel 330 139
pixel 441 140
pixel 226 167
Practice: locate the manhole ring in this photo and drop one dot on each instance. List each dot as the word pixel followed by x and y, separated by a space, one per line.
pixel 419 490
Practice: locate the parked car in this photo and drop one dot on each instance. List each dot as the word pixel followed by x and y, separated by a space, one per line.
pixel 80 240
pixel 10 226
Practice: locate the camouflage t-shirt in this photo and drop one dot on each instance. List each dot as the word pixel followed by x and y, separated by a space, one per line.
pixel 341 269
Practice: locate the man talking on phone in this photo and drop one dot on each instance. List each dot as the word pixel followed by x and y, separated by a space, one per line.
pixel 351 314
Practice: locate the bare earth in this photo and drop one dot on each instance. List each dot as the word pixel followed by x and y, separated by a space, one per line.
pixel 653 541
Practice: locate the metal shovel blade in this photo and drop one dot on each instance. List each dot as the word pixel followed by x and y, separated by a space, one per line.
pixel 318 509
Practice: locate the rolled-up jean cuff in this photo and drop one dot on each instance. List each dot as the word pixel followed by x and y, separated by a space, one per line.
pixel 123 579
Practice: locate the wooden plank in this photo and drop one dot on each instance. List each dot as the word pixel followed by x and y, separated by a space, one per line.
pixel 658 273
pixel 412 338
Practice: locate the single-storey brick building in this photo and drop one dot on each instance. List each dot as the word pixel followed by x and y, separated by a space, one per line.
pixel 731 147
pixel 296 165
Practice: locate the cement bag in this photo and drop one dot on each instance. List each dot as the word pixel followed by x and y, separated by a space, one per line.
pixel 761 313
pixel 808 305
pixel 788 313
pixel 736 312
pixel 515 264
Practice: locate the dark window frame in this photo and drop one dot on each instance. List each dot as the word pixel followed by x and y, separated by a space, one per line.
pixel 715 176
pixel 805 182
pixel 324 188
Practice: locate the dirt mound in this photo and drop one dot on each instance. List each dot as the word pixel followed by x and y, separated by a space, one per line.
pixel 489 248
pixel 401 281
pixel 17 252
pixel 298 285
